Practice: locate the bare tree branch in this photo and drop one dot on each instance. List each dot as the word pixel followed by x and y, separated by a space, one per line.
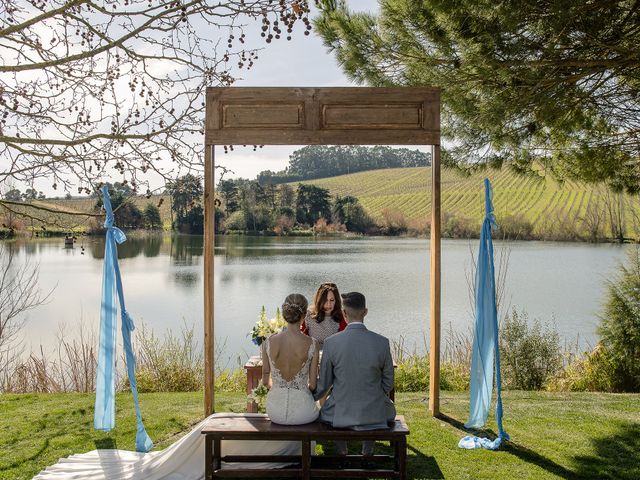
pixel 19 293
pixel 91 89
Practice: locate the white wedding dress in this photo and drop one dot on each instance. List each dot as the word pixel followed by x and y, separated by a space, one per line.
pixel 184 460
pixel 291 402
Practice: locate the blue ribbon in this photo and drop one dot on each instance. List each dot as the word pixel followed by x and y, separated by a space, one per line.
pixel 486 348
pixel 104 414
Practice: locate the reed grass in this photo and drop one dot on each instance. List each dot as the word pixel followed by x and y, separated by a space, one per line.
pixel 532 358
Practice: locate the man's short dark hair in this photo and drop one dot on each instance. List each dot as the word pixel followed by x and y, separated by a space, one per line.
pixel 354 301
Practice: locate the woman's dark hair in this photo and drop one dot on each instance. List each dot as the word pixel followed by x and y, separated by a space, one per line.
pixel 318 303
pixel 294 307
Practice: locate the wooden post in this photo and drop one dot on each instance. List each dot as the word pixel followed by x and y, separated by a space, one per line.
pixel 434 345
pixel 209 238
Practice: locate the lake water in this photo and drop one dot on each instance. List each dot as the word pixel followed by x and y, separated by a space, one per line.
pixel 162 275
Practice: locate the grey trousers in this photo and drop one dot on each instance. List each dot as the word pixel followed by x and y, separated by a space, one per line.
pixel 367 447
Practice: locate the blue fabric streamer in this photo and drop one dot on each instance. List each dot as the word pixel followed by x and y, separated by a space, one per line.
pixel 104 414
pixel 486 351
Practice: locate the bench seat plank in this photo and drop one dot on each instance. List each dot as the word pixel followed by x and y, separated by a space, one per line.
pixel 245 427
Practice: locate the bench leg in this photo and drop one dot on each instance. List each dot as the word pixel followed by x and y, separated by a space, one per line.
pixel 306 459
pixel 401 457
pixel 396 461
pixel 217 456
pixel 208 458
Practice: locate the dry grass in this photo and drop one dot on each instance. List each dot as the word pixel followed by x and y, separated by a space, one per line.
pixel 71 368
pixel 77 215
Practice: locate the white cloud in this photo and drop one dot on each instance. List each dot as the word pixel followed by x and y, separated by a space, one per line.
pixel 246 163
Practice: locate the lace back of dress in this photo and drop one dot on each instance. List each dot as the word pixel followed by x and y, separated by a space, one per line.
pixel 301 379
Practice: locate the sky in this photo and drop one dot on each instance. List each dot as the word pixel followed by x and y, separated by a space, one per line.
pixel 302 62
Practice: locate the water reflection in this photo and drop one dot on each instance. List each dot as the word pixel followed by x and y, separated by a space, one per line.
pixel 186 279
pixel 31 247
pixel 152 246
pixel 307 249
pixel 138 244
pixel 185 249
pixel 163 281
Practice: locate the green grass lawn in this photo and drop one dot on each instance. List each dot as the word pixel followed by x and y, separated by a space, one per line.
pixel 554 435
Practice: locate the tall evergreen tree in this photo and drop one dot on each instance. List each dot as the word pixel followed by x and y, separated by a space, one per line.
pixel 286 196
pixel 186 202
pixel 550 84
pixel 125 212
pixel 152 217
pixel 321 161
pixel 312 203
pixel 338 210
pixel 229 191
pixel 349 211
pixel 13 194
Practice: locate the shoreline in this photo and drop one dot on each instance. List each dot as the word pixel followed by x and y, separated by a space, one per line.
pixel 309 233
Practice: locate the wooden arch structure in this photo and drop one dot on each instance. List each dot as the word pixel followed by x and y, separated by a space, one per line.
pixel 325 116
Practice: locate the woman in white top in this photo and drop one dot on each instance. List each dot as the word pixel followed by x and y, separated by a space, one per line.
pixel 290 368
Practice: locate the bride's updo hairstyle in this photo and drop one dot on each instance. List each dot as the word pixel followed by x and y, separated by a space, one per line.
pixel 294 307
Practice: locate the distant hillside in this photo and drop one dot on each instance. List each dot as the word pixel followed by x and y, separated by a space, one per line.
pixel 551 208
pixel 532 207
pixel 323 161
pixel 63 222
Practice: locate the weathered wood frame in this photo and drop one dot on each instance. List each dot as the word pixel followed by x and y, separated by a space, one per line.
pixel 321 116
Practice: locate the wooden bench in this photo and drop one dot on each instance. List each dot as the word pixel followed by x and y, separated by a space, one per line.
pixel 303 466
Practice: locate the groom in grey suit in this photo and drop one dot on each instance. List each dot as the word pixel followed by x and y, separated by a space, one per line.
pixel 358 364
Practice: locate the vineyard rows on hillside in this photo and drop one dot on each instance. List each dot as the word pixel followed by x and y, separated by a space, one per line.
pixel 547 205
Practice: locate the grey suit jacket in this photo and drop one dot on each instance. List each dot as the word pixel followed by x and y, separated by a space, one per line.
pixel 358 364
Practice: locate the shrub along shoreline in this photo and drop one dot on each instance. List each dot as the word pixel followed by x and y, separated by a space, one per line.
pixel 532 358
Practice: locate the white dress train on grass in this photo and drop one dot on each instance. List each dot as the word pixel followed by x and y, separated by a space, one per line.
pixel 184 460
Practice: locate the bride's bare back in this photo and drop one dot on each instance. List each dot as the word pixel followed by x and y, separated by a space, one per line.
pixel 288 351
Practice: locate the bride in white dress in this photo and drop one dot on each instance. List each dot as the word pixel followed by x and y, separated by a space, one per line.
pixel 290 368
pixel 289 402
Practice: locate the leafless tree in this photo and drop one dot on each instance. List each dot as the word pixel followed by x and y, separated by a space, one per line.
pixel 615 211
pixel 90 88
pixel 592 221
pixel 634 223
pixel 19 293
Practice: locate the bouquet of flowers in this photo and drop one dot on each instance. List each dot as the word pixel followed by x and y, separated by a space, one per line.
pixel 259 395
pixel 265 327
